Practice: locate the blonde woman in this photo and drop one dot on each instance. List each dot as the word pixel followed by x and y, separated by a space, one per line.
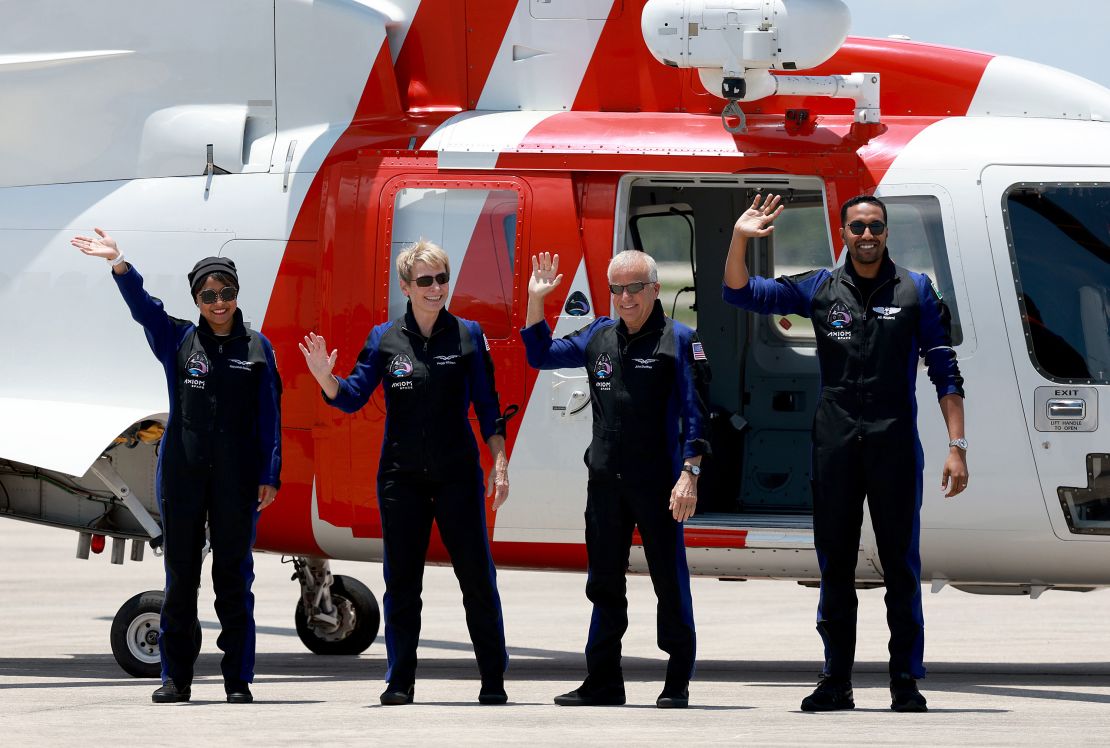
pixel 431 366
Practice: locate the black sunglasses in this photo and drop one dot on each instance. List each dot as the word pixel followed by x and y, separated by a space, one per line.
pixel 227 293
pixel 632 288
pixel 858 227
pixel 426 280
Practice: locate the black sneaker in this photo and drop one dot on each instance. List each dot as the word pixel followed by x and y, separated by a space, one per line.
pixel 904 696
pixel 493 692
pixel 589 695
pixel 396 695
pixel 674 697
pixel 171 694
pixel 238 692
pixel 831 694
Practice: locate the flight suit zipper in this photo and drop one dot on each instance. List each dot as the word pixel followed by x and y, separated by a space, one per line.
pixel 863 348
pixel 423 392
pixel 624 345
pixel 219 371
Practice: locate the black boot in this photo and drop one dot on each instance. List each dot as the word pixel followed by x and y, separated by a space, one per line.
pixel 238 692
pixel 674 696
pixel 397 695
pixel 904 696
pixel 171 694
pixel 594 694
pixel 830 695
pixel 493 692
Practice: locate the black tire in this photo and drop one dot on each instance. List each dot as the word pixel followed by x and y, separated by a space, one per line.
pixel 367 620
pixel 135 635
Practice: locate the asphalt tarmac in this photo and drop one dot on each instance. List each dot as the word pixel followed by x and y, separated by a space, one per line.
pixel 1003 670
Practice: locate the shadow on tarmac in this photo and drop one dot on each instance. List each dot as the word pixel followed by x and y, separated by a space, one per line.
pixel 1072 682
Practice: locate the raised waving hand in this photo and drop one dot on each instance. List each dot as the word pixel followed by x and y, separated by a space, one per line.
pixel 756 221
pixel 545 275
pixel 102 245
pixel 545 279
pixel 320 362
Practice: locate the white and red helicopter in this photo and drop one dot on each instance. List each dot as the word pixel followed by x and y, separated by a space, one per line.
pixel 310 140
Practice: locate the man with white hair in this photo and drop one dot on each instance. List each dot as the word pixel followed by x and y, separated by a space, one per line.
pixel 648 377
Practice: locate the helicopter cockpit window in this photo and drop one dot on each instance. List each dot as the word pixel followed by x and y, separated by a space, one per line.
pixel 1060 242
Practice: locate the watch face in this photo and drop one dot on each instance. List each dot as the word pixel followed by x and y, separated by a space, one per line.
pixel 961 443
pixel 692 469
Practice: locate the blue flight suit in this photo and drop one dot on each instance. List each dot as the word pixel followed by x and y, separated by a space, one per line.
pixel 430 470
pixel 222 441
pixel 648 392
pixel 865 440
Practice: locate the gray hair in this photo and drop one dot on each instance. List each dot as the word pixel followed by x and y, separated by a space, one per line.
pixel 629 257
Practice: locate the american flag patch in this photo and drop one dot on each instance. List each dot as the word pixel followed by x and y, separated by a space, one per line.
pixel 699 352
pixel 485 340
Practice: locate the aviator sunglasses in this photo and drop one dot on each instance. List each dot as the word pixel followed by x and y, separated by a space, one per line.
pixel 209 296
pixel 425 281
pixel 632 288
pixel 858 227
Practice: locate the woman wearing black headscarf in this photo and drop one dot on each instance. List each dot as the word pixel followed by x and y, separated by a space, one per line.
pixel 219 461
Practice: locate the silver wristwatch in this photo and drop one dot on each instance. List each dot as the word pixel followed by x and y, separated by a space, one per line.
pixel 961 443
pixel 693 470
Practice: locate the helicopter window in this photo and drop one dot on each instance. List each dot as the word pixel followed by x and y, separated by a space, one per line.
pixel 1060 243
pixel 668 236
pixel 478 230
pixel 917 243
pixel 800 244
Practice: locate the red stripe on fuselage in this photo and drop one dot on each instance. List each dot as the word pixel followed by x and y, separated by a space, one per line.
pixel 639 82
pixel 487 23
pixel 706 537
pixel 623 141
pixel 431 66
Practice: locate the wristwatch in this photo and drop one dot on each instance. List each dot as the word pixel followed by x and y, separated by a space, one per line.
pixel 693 470
pixel 961 443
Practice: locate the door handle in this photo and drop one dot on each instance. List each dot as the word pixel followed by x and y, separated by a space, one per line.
pixel 576 403
pixel 1070 409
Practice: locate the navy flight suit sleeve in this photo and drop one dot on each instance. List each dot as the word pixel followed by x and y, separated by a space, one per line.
pixel 692 384
pixel 934 337
pixel 356 389
pixel 483 389
pixel 787 294
pixel 162 333
pixel 565 353
pixel 269 421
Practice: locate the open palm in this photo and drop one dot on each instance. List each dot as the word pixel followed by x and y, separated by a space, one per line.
pixel 756 221
pixel 102 245
pixel 315 350
pixel 545 275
